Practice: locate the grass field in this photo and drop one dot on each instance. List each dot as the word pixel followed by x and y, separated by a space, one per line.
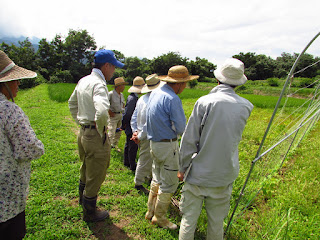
pixel 52 207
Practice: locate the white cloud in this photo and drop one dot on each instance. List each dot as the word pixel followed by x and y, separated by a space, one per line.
pixel 145 28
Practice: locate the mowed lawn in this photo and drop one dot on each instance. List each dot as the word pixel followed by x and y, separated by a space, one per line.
pixel 52 207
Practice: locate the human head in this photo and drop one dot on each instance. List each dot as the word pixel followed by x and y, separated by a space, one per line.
pixel 10 74
pixel 106 61
pixel 177 78
pixel 119 84
pixel 152 82
pixel 231 72
pixel 137 85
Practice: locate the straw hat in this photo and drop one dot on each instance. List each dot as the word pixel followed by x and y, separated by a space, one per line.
pixel 152 82
pixel 9 71
pixel 231 72
pixel 119 81
pixel 178 74
pixel 138 84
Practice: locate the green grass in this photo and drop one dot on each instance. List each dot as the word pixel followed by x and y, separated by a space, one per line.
pixel 53 211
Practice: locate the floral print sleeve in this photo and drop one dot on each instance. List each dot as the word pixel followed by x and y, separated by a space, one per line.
pixel 25 144
pixel 18 146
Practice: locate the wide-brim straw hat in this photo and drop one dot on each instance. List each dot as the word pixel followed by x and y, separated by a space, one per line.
pixel 137 85
pixel 152 82
pixel 119 81
pixel 178 74
pixel 10 72
pixel 231 72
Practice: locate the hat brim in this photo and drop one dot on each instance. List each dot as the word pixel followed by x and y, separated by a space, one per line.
pixel 229 81
pixel 135 89
pixel 17 73
pixel 147 88
pixel 119 84
pixel 166 78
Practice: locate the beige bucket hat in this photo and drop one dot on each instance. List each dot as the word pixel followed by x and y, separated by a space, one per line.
pixel 152 82
pixel 231 72
pixel 10 72
pixel 178 74
pixel 119 81
pixel 137 85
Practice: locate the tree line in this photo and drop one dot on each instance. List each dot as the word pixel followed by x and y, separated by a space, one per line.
pixel 70 58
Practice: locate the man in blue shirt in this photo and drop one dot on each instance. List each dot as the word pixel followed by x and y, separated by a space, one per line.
pixel 165 121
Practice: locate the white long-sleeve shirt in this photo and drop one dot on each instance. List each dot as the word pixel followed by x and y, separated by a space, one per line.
pixel 89 102
pixel 139 117
pixel 213 132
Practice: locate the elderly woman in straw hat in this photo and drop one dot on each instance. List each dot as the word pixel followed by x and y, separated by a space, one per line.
pixel 139 129
pixel 117 105
pixel 209 161
pixel 131 148
pixel 19 145
pixel 165 121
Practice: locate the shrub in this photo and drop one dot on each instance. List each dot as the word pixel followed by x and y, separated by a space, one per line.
pixel 193 83
pixel 273 82
pixel 61 76
pixel 32 82
pixel 305 82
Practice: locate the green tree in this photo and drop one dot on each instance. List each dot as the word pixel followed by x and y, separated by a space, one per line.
pixel 161 64
pixel 257 67
pixel 79 49
pixel 201 67
pixel 135 67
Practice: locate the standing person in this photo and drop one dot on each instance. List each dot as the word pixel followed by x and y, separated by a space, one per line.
pixel 209 150
pixel 139 136
pixel 117 105
pixel 89 106
pixel 18 146
pixel 131 148
pixel 165 121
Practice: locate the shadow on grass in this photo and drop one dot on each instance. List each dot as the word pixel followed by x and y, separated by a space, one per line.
pixel 107 230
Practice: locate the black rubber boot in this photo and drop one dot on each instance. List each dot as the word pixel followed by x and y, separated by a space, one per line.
pixel 81 189
pixel 90 211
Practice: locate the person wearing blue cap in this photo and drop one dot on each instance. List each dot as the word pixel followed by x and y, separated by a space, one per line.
pixel 89 105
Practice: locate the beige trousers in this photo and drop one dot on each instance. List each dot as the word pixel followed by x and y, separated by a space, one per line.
pixel 165 165
pixel 114 123
pixel 95 158
pixel 144 165
pixel 217 205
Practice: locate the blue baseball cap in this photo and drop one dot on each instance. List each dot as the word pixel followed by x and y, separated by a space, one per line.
pixel 107 56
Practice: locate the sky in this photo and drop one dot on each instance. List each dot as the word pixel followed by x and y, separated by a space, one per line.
pixel 210 29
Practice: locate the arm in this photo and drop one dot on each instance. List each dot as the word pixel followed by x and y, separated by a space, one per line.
pixel 73 105
pixel 25 144
pixel 102 106
pixel 190 140
pixel 177 117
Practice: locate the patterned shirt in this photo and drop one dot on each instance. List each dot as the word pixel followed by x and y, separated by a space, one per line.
pixel 18 146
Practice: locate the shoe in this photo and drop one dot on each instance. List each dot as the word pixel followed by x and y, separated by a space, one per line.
pixel 142 189
pixel 160 212
pixel 154 187
pixel 91 212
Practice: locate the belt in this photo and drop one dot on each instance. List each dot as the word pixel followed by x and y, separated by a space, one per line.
pixel 116 112
pixel 168 140
pixel 88 126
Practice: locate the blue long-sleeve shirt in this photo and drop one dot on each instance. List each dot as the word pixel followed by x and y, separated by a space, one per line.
pixel 165 115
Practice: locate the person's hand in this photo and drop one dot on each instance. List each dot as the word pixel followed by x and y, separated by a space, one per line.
pixel 111 114
pixel 135 138
pixel 180 176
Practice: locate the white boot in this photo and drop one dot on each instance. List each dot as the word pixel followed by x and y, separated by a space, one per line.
pixel 154 187
pixel 160 212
